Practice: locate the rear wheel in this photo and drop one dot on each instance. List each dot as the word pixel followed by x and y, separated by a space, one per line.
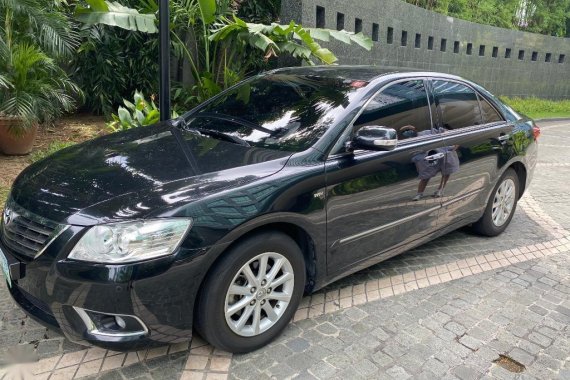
pixel 501 207
pixel 252 293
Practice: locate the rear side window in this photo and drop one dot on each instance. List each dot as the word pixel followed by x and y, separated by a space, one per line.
pixel 458 104
pixel 489 114
pixel 403 106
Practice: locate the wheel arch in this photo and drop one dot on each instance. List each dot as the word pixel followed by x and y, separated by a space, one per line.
pixel 521 171
pixel 293 229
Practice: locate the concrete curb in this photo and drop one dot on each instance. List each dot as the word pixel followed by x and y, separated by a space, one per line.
pixel 553 119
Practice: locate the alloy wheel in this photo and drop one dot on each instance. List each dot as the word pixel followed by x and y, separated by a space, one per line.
pixel 504 202
pixel 259 294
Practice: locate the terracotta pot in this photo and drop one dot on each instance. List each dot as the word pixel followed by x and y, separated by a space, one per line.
pixel 16 145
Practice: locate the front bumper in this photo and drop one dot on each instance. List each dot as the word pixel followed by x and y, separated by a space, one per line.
pixel 158 293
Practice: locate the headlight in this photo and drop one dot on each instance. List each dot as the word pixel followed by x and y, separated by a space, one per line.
pixel 130 241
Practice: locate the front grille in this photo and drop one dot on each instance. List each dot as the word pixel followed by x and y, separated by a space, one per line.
pixel 25 233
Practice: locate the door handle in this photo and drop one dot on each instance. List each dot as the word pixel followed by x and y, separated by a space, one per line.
pixel 503 138
pixel 434 157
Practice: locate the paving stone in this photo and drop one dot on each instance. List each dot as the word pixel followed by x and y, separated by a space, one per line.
pixel 470 342
pixel 539 339
pixel 298 344
pixel 466 373
pixel 521 356
pixel 366 368
pixel 397 372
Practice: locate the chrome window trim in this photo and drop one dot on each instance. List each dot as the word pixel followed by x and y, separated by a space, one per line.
pixel 93 330
pixel 477 94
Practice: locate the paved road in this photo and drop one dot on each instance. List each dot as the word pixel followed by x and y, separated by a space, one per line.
pixel 448 309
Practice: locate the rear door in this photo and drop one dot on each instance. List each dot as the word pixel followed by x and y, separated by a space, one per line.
pixel 475 137
pixel 371 195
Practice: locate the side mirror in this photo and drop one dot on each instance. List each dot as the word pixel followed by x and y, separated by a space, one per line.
pixel 376 138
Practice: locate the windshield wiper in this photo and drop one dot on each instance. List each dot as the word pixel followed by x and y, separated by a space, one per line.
pixel 237 120
pixel 220 135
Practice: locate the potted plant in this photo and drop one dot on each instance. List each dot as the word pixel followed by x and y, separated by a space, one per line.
pixel 33 88
pixel 36 90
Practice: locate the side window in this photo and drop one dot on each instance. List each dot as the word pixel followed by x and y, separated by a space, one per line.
pixel 403 106
pixel 490 114
pixel 458 104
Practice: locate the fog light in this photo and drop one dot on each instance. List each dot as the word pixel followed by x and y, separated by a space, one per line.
pixel 120 322
pixel 118 325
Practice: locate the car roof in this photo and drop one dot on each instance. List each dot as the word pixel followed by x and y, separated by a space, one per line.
pixel 360 72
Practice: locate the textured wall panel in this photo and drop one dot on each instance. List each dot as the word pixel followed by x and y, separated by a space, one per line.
pixel 531 76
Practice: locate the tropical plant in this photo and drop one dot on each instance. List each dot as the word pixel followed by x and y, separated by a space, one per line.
pixel 221 49
pixel 114 14
pixel 223 42
pixel 138 113
pixel 292 39
pixel 112 63
pixel 36 89
pixel 38 22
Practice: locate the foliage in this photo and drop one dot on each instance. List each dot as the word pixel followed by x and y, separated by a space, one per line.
pixel 259 11
pixel 112 63
pixel 51 149
pixel 537 108
pixel 115 14
pixel 220 49
pixel 36 88
pixel 38 22
pixel 293 39
pixel 139 113
pixel 551 17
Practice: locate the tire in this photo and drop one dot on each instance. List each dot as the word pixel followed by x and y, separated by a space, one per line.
pixel 495 219
pixel 220 314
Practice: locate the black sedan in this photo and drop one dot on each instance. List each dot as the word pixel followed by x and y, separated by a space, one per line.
pixel 222 219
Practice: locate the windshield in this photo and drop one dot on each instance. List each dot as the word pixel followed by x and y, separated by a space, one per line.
pixel 277 111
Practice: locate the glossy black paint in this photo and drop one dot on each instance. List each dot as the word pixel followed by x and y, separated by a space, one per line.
pixel 346 210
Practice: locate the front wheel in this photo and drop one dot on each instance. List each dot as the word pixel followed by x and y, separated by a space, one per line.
pixel 252 293
pixel 501 207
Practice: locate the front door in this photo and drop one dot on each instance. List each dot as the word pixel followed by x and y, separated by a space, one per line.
pixel 379 200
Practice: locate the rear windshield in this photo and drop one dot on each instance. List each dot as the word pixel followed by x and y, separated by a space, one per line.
pixel 278 111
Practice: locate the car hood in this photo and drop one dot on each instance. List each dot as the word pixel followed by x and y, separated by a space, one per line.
pixel 133 174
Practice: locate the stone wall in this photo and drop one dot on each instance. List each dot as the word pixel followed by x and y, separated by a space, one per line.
pixel 506 62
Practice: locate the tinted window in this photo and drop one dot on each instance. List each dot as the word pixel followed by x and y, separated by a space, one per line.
pixel 402 106
pixel 458 104
pixel 278 111
pixel 490 114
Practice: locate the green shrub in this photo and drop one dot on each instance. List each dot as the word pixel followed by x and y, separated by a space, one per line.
pixel 137 114
pixel 112 63
pixel 537 108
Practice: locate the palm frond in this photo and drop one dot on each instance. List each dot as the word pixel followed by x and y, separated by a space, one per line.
pixel 52 30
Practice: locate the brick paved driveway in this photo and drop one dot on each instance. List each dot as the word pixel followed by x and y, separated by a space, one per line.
pixel 448 309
